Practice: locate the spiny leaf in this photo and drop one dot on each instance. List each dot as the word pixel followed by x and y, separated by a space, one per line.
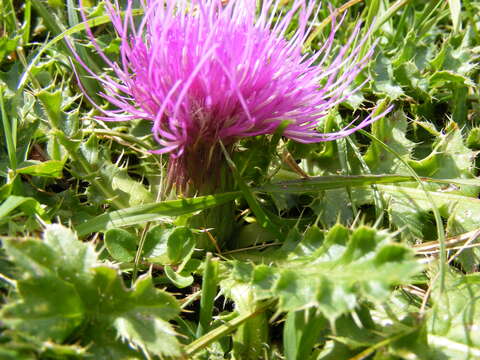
pixel 115 181
pixel 391 130
pixel 64 287
pixel 348 266
pixel 449 159
pixel 453 319
pixel 140 316
pixel 50 308
pixel 463 210
pixel 384 81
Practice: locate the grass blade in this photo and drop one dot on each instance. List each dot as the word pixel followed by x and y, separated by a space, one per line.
pixel 9 131
pixel 151 212
pixel 222 330
pixel 209 292
pixel 316 184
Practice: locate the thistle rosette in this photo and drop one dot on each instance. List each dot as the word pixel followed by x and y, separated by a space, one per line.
pixel 210 71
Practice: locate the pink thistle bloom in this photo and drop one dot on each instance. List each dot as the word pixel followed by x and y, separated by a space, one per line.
pixel 204 71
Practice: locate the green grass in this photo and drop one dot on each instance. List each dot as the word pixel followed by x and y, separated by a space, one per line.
pixel 373 255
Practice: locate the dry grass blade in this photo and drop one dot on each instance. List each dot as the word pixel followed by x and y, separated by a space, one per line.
pixel 460 242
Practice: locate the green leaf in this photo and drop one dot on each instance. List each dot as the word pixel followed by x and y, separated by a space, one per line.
pixel 347 267
pixel 464 211
pixel 449 159
pixel 168 245
pixel 121 244
pixel 391 130
pixel 440 78
pixel 457 58
pixel 412 80
pixel 47 16
pixel 66 292
pixel 177 279
pixel 7 46
pixel 333 206
pixel 414 51
pixel 50 308
pixel 301 333
pixel 455 7
pixel 112 183
pixel 250 338
pixel 28 205
pixel 106 345
pixel 20 346
pixel 140 316
pixel 262 217
pixel 454 317
pixel 384 80
pixel 33 257
pixel 50 168
pixel 473 140
pixel 154 335
pixel 124 186
pixel 52 102
pixel 55 104
pixel 74 259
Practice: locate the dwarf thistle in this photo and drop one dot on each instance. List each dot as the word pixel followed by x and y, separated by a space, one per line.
pixel 211 71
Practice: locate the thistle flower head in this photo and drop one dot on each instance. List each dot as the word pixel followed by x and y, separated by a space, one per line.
pixel 205 71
